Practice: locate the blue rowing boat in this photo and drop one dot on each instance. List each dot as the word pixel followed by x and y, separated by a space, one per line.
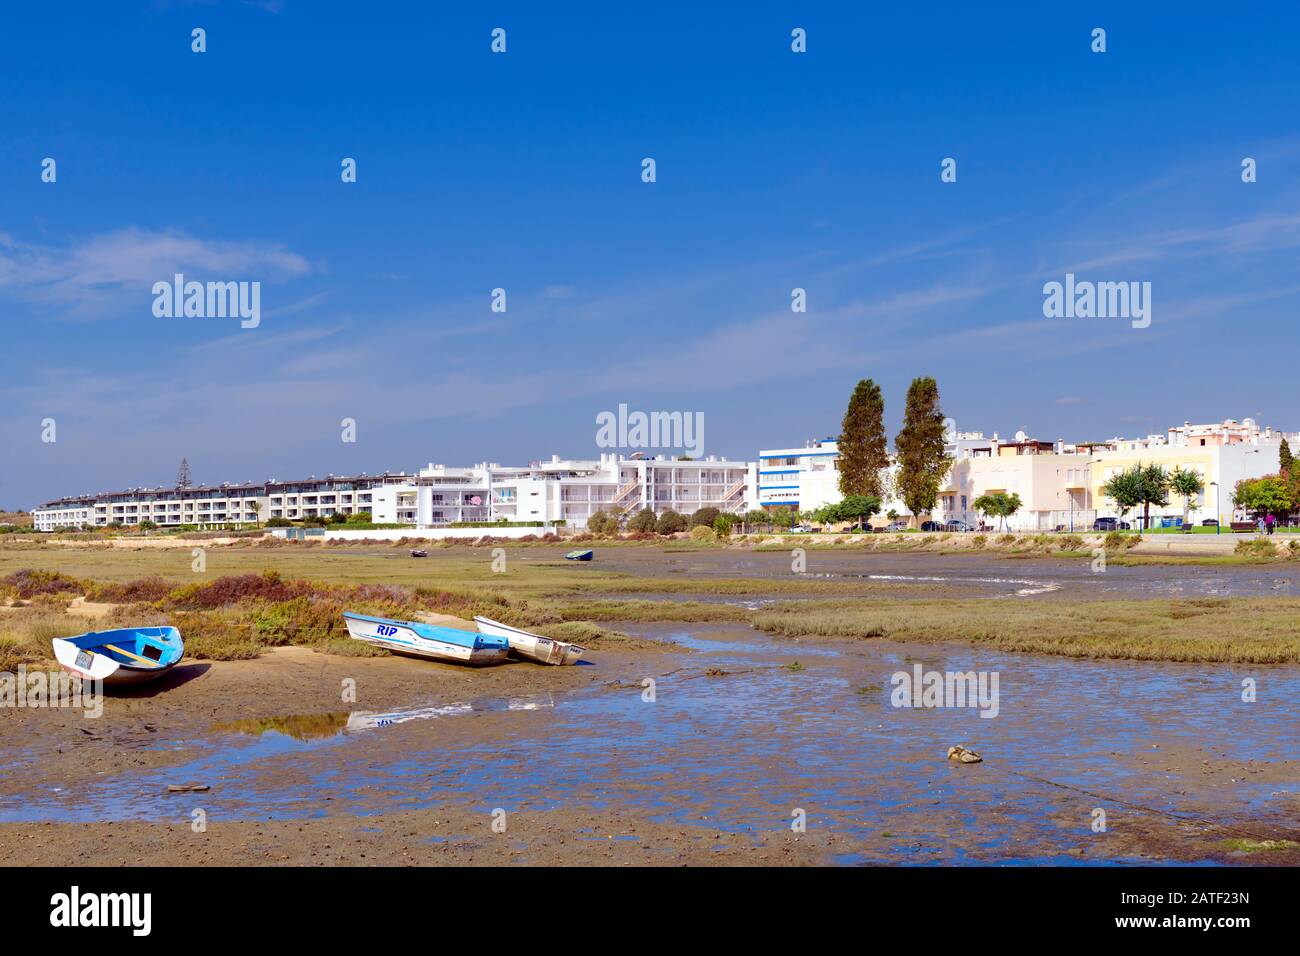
pixel 427 640
pixel 128 655
pixel 579 555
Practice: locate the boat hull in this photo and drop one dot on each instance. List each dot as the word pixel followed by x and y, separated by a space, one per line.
pixel 426 641
pixel 533 647
pixel 579 556
pixel 121 657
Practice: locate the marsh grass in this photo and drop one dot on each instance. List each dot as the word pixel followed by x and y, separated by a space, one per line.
pixel 240 608
pixel 1248 845
pixel 26 633
pixel 1239 630
pixel 1256 549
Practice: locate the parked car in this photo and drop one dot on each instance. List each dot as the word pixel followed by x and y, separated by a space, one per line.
pixel 897 526
pixel 931 526
pixel 1110 524
pixel 956 525
pixel 800 529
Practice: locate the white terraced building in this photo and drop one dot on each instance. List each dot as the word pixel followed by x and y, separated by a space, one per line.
pixel 214 506
pixel 553 491
pixel 569 491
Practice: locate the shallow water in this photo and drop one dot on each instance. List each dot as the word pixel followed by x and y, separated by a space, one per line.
pixel 974 575
pixel 739 751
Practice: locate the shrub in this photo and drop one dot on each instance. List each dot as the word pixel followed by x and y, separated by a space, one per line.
pixel 670 522
pixel 603 522
pixel 142 590
pixel 704 517
pixel 979 541
pixel 1257 549
pixel 703 533
pixel 643 520
pixel 28 583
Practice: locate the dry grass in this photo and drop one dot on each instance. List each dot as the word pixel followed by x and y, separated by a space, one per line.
pixel 26 633
pixel 1238 630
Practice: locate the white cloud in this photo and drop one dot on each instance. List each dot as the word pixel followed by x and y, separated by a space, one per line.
pixel 102 275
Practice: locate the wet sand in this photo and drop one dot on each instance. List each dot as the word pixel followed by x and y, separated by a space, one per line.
pixel 589 772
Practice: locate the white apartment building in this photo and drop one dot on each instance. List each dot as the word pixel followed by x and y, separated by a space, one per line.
pixel 1059 483
pixel 553 491
pixel 227 505
pixel 564 490
pixel 64 513
pixel 801 479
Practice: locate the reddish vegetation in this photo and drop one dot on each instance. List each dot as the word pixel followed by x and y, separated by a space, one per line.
pixel 28 583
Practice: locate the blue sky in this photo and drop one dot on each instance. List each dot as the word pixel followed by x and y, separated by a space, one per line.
pixel 522 171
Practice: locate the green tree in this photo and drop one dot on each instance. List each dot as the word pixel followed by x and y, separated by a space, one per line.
pixel 757 517
pixel 863 451
pixel 147 525
pixel 670 522
pixel 1141 485
pixel 855 508
pixel 1284 458
pixel 1125 489
pixel 919 446
pixel 1262 495
pixel 1155 490
pixel 643 520
pixel 783 518
pixel 999 504
pixel 1187 484
pixel 722 524
pixel 704 517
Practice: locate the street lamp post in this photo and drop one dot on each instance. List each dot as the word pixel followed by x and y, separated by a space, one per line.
pixel 1218 517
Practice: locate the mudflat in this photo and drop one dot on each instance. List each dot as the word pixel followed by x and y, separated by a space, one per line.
pixel 681 742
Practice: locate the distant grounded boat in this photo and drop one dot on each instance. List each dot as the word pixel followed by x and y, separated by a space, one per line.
pixel 128 655
pixel 580 555
pixel 419 553
pixel 418 639
pixel 532 646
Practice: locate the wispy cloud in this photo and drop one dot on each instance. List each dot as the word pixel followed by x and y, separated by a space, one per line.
pixel 97 277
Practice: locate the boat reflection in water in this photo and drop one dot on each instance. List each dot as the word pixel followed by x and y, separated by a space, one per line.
pixel 369 720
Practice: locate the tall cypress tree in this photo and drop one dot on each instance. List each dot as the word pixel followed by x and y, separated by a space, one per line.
pixel 1284 458
pixel 919 446
pixel 863 449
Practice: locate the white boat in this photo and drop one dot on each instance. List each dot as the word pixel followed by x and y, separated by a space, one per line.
pixel 128 655
pixel 534 647
pixel 427 640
